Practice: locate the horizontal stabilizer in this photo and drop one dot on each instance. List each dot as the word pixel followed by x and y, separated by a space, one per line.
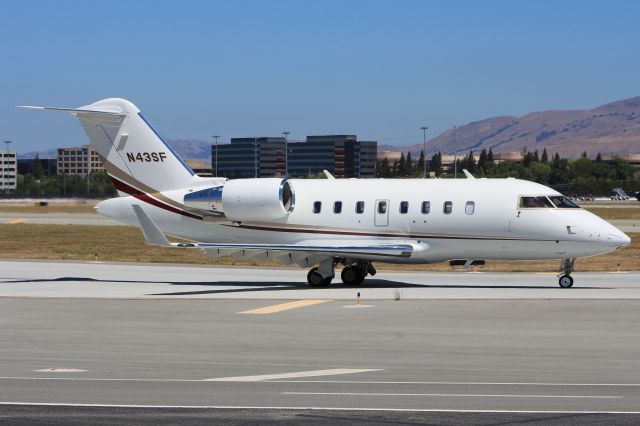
pixel 152 234
pixel 113 111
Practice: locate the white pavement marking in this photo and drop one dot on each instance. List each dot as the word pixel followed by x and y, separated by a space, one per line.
pixel 249 407
pixel 359 382
pixel 312 373
pixel 464 395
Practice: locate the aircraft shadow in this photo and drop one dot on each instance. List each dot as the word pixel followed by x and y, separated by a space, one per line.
pixel 267 286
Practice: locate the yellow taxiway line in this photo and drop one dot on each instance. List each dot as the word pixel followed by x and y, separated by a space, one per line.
pixel 285 306
pixel 16 221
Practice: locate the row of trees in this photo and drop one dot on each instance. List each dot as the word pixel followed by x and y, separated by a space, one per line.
pixel 584 174
pixel 37 185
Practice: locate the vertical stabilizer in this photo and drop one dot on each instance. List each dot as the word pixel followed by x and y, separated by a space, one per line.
pixel 134 154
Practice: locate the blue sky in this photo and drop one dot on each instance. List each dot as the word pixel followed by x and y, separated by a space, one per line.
pixel 379 69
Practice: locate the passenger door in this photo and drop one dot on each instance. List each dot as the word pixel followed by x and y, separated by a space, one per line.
pixel 381 217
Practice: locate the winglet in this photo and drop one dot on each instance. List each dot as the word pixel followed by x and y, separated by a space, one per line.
pixel 152 234
pixel 328 175
pixel 468 174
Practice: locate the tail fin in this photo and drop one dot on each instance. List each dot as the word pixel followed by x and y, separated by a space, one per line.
pixel 134 154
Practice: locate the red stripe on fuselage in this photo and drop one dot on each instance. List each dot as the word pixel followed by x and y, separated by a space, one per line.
pixel 121 186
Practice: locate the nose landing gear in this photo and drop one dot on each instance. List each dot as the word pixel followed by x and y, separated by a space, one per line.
pixel 566 267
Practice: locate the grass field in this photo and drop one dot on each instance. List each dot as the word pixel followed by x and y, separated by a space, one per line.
pixel 616 212
pixel 125 244
pixel 52 208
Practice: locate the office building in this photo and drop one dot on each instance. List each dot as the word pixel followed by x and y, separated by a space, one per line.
pixel 48 166
pixel 200 167
pixel 341 155
pixel 78 161
pixel 8 171
pixel 249 157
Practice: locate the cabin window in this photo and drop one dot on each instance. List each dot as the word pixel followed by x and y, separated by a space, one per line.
pixel 337 207
pixel 535 203
pixel 404 207
pixel 426 207
pixel 317 206
pixel 447 207
pixel 563 202
pixel 470 207
pixel 360 207
pixel 382 207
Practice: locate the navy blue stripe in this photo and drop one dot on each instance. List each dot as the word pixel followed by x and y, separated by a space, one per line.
pixel 280 247
pixel 153 129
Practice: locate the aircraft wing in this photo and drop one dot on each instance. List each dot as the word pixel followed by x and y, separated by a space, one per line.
pixel 303 253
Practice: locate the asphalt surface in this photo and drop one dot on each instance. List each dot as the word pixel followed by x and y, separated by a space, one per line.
pixel 97 344
pixel 110 280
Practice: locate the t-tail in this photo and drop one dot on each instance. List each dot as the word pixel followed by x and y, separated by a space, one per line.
pixel 136 157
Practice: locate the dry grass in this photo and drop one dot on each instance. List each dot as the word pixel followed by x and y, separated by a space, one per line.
pixel 52 208
pixel 125 244
pixel 616 212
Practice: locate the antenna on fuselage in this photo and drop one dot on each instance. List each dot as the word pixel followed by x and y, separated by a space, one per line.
pixel 468 174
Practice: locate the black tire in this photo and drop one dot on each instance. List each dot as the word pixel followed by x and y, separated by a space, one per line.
pixel 315 279
pixel 565 281
pixel 352 276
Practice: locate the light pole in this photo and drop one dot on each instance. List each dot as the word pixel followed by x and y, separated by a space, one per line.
pixel 6 159
pixel 88 168
pixel 286 152
pixel 424 151
pixel 216 156
pixel 455 154
pixel 255 156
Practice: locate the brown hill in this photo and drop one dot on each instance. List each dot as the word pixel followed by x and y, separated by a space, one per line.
pixel 610 128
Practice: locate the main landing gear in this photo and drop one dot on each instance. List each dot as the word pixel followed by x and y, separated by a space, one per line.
pixel 566 267
pixel 353 274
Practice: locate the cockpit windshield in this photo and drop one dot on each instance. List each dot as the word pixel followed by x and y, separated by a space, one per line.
pixel 563 202
pixel 544 202
pixel 535 202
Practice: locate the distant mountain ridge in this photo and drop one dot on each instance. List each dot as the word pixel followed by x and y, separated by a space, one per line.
pixel 610 128
pixel 189 149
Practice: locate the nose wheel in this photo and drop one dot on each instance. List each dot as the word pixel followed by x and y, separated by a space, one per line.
pixel 566 267
pixel 565 281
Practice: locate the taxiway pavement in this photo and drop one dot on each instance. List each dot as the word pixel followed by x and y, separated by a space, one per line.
pixel 570 356
pixel 113 280
pixel 185 344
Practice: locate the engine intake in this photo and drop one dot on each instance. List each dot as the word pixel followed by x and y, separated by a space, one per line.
pixel 245 199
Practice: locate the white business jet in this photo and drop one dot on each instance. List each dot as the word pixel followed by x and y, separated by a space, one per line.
pixel 327 222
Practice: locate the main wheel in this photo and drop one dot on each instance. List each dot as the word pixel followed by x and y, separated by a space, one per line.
pixel 565 281
pixel 315 279
pixel 352 275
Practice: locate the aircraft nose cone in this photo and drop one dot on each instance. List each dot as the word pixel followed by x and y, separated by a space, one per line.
pixel 624 240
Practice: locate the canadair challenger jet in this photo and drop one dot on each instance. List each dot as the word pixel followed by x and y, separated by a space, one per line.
pixel 351 222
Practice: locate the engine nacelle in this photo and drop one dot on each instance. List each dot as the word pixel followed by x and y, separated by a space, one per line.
pixel 245 199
